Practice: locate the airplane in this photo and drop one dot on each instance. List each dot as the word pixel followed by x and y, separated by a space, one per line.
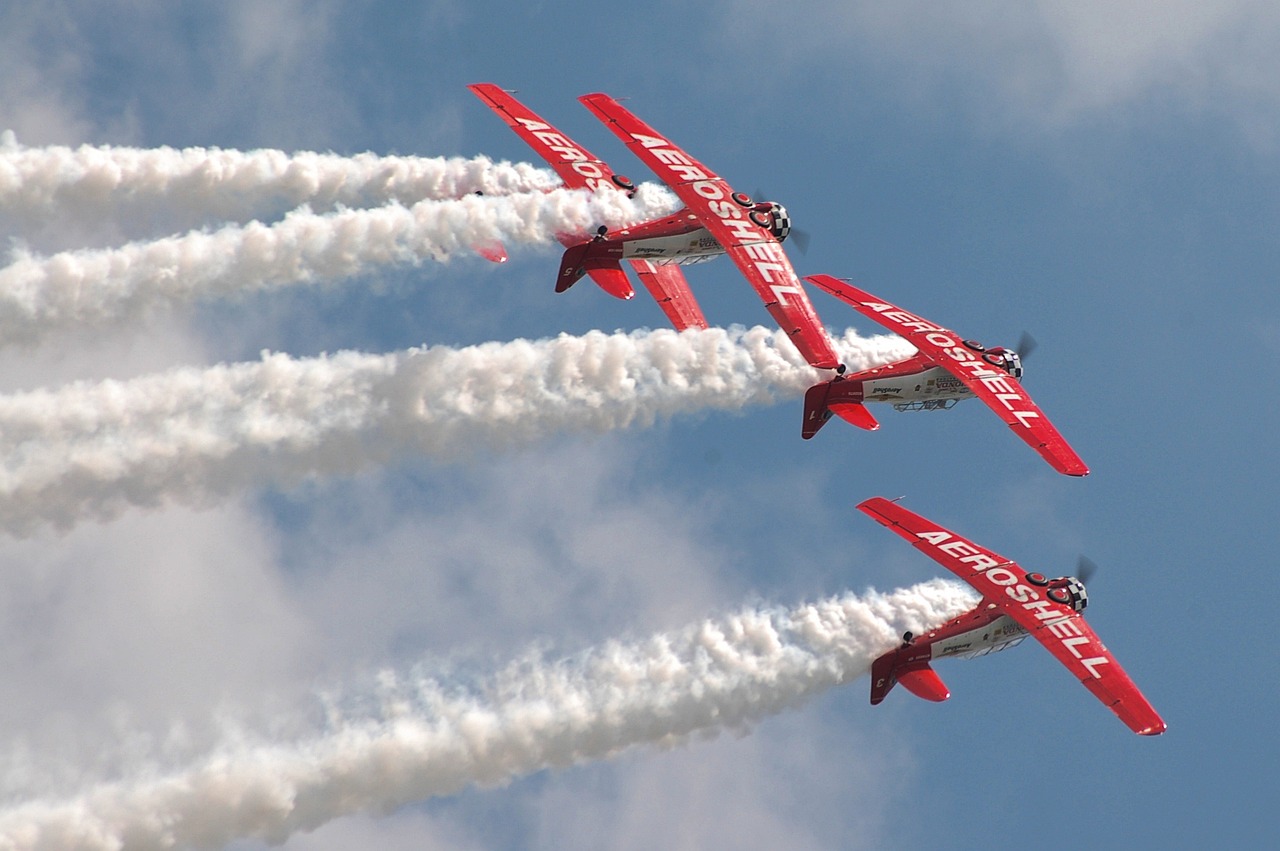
pixel 715 220
pixel 1014 603
pixel 580 169
pixel 945 369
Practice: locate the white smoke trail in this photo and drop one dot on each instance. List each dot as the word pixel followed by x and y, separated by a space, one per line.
pixel 106 182
pixel 95 287
pixel 431 739
pixel 192 436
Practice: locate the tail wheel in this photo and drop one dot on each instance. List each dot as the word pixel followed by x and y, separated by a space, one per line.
pixel 1059 595
pixel 1038 579
pixel 759 218
pixel 741 199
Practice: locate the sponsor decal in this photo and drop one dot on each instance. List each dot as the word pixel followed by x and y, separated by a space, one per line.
pixel 766 255
pixel 566 151
pixel 999 382
pixel 993 577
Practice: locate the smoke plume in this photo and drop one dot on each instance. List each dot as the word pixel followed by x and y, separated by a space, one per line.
pixel 195 436
pixel 428 737
pixel 128 283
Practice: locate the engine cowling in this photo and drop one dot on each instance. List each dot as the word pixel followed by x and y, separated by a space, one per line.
pixel 773 216
pixel 1069 591
pixel 1006 359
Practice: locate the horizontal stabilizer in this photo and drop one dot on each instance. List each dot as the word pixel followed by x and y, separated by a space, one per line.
pixel 605 271
pixel 916 677
pixel 840 396
pixel 609 276
pixel 493 251
pixel 855 413
pixel 924 682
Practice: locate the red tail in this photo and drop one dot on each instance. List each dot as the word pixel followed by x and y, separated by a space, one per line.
pixel 839 396
pixel 916 677
pixel 597 259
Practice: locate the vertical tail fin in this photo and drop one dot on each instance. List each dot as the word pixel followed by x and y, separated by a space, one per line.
pixel 839 396
pixel 604 269
pixel 883 677
pixel 916 677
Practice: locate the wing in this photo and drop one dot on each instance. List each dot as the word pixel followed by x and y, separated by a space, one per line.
pixel 577 167
pixel 668 286
pixel 1058 626
pixel 751 246
pixel 580 169
pixel 999 390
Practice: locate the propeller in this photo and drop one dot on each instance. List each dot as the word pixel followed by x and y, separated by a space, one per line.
pixel 798 236
pixel 800 239
pixel 1026 345
pixel 1085 568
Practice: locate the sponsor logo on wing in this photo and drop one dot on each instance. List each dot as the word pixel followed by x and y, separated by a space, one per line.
pixel 567 151
pixel 993 578
pixel 997 381
pixel 766 255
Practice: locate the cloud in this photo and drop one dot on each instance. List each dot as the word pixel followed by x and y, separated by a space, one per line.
pixel 1052 63
pixel 801 785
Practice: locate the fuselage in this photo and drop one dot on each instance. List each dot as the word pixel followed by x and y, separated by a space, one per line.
pixel 680 238
pixel 978 632
pixel 693 246
pixel 916 379
pixel 916 385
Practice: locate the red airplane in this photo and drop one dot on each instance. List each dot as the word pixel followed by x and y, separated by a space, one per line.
pixel 716 220
pixel 1014 604
pixel 580 169
pixel 944 370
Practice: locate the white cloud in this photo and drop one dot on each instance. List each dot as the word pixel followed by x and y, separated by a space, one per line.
pixel 1050 63
pixel 797 785
pixel 510 551
pixel 129 636
pixel 40 70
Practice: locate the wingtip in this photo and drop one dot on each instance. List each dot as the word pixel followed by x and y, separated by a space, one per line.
pixel 871 505
pixel 1155 729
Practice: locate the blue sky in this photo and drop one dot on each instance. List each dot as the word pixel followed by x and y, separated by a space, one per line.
pixel 1097 175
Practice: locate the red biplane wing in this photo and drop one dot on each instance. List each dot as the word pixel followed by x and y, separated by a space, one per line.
pixel 1056 625
pixel 752 247
pixel 1001 392
pixel 580 169
pixel 577 167
pixel 670 289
